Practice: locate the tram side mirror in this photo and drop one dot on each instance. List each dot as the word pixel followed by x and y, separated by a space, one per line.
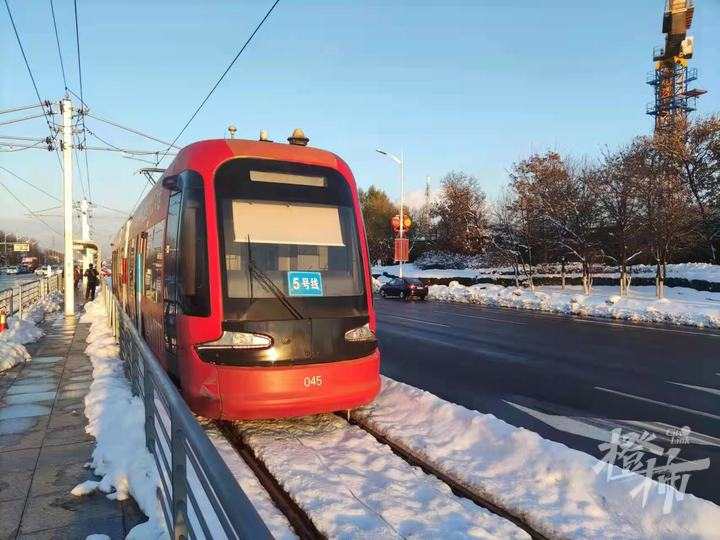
pixel 171 183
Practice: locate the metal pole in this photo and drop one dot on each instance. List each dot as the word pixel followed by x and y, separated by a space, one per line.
pixel 402 204
pixel 66 107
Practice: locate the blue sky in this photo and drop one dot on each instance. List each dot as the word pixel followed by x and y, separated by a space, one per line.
pixel 469 86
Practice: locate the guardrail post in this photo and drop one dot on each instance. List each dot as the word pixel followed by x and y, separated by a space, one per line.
pixel 179 480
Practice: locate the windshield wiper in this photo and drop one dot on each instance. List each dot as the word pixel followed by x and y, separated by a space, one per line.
pixel 269 285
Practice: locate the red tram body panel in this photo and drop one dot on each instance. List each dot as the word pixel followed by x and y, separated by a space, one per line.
pixel 246 270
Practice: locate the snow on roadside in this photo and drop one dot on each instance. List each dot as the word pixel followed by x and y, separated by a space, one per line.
pixel 275 520
pixel 116 419
pixel 12 354
pixel 551 486
pixel 682 306
pixel 21 331
pixel 352 486
pixel 690 271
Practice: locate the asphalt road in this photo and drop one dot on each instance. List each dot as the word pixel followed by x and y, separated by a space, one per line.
pixel 572 380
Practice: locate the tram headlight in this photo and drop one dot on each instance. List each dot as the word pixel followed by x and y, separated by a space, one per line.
pixel 239 340
pixel 361 333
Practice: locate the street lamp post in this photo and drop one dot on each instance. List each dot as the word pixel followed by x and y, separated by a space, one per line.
pixel 400 161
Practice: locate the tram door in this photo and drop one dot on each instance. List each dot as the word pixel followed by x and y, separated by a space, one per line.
pixel 170 279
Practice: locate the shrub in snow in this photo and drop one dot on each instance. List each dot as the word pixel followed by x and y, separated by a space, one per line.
pixel 441 259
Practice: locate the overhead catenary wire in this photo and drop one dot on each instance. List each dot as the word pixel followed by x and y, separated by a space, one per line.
pixel 32 78
pixel 217 83
pixel 40 219
pixel 130 130
pixel 57 41
pixel 82 99
pixel 23 119
pixel 24 181
pixel 23 108
pixel 14 147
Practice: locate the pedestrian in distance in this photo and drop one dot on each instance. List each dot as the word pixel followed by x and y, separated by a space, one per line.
pixel 77 276
pixel 93 280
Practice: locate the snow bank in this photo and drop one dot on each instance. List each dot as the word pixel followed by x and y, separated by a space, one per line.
pixel 423 269
pixel 12 354
pixel 116 420
pixel 552 487
pixel 682 306
pixel 21 331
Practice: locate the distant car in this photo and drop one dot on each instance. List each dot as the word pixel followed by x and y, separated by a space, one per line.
pixel 11 270
pixel 404 288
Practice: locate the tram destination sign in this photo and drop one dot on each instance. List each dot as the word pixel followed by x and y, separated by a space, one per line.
pixel 21 247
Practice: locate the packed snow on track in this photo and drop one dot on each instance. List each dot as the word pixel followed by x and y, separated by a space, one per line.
pixel 682 306
pixel 560 492
pixel 274 519
pixel 351 486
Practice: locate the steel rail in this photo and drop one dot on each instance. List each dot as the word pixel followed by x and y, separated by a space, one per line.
pixel 299 520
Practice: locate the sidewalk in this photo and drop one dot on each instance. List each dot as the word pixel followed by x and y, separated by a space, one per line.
pixel 44 447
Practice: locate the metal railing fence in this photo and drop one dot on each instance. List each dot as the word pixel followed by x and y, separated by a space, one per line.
pixel 16 300
pixel 199 496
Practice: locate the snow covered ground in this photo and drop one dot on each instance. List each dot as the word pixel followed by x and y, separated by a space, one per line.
pixel 22 331
pixel 351 486
pixel 681 306
pixel 561 492
pixel 689 271
pixel 116 419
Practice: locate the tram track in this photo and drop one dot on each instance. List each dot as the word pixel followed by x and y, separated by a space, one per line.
pixel 303 524
pixel 296 516
pixel 456 487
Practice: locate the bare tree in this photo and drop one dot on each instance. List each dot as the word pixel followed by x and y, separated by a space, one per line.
pixel 618 192
pixel 459 216
pixel 668 219
pixel 511 237
pixel 562 197
pixel 693 154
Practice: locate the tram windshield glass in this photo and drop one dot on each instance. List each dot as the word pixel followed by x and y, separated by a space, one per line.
pixel 287 230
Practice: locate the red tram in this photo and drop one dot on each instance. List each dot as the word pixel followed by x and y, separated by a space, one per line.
pixel 246 270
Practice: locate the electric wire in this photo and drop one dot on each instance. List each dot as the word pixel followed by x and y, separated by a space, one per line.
pixel 131 130
pixel 24 108
pixel 217 83
pixel 32 78
pixel 57 40
pixel 82 99
pixel 24 181
pixel 41 220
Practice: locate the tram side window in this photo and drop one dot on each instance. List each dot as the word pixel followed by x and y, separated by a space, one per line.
pixel 154 262
pixel 193 261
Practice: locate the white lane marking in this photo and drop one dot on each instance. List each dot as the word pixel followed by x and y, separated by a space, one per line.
pixel 648 400
pixel 701 388
pixel 576 426
pixel 381 315
pixel 631 325
pixel 668 430
pixel 481 317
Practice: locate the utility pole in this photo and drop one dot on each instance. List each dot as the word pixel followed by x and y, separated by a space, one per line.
pixel 66 108
pixel 402 200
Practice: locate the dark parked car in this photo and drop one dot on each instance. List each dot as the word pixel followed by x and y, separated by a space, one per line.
pixel 404 288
